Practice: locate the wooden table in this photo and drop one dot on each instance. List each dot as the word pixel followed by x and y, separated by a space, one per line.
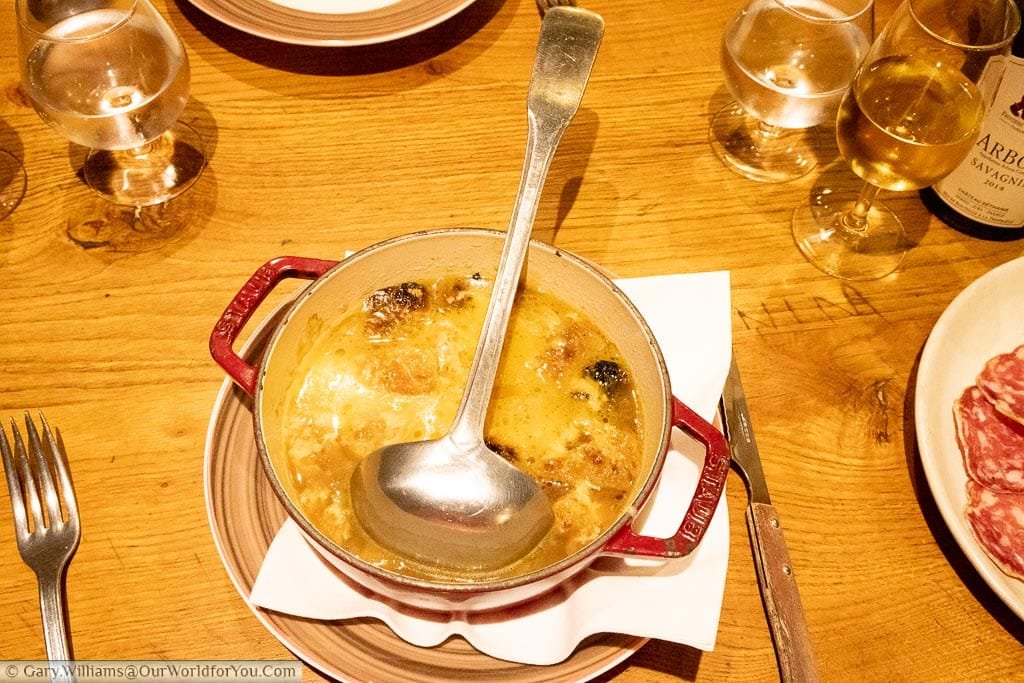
pixel 105 318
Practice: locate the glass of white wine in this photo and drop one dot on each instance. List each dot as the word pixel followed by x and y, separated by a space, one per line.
pixel 909 118
pixel 113 76
pixel 12 183
pixel 786 64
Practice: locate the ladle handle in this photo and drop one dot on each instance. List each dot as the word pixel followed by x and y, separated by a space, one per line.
pixel 705 499
pixel 245 303
pixel 568 44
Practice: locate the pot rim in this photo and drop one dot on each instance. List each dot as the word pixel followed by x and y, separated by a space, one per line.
pixel 475 586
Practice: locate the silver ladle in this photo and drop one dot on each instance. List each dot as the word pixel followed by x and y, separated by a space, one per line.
pixel 452 501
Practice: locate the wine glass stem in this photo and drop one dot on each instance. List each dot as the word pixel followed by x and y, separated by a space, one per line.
pixel 146 147
pixel 767 133
pixel 856 219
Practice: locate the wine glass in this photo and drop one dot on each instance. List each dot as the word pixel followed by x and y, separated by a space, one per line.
pixel 12 183
pixel 787 64
pixel 113 76
pixel 909 118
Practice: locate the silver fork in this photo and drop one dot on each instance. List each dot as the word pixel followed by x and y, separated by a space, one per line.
pixel 47 537
pixel 544 5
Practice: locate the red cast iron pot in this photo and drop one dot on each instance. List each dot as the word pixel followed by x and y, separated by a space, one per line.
pixel 338 287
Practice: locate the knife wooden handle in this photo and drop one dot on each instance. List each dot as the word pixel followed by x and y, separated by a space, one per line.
pixel 781 598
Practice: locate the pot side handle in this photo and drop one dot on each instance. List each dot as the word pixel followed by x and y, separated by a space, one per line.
pixel 245 303
pixel 705 498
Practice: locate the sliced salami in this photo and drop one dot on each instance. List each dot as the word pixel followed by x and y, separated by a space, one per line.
pixel 992 445
pixel 1002 381
pixel 997 520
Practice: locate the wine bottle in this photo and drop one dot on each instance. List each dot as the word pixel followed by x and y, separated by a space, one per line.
pixel 984 196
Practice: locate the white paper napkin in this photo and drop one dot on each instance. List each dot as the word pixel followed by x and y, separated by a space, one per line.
pixel 677 600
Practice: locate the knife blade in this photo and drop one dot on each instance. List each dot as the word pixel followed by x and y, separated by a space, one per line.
pixel 779 594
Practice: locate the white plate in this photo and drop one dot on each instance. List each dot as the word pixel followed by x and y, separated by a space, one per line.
pixel 984 320
pixel 332 22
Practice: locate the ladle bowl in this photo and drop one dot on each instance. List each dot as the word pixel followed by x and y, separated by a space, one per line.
pixel 456 505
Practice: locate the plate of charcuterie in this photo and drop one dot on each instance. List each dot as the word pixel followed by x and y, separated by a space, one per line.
pixel 970 438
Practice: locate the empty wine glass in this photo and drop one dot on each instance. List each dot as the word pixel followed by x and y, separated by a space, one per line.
pixel 786 64
pixel 113 76
pixel 12 183
pixel 910 117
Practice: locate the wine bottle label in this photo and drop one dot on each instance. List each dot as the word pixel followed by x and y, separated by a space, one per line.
pixel 988 186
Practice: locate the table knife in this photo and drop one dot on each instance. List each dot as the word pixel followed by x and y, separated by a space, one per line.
pixel 779 593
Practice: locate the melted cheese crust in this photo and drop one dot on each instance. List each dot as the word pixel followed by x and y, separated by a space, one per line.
pixel 395 371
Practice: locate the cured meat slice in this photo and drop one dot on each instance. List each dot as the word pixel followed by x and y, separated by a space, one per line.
pixel 997 520
pixel 1002 381
pixel 992 445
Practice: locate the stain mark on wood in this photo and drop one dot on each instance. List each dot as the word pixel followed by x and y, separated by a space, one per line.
pixel 880 411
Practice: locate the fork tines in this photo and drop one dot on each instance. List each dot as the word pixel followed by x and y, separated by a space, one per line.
pixel 39 476
pixel 544 5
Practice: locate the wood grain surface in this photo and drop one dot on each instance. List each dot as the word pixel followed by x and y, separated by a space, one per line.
pixel 105 315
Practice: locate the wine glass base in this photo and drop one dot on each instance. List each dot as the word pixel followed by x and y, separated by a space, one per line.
pixel 847 254
pixel 12 183
pixel 745 146
pixel 151 174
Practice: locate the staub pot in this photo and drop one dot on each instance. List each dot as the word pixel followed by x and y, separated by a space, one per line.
pixel 337 286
